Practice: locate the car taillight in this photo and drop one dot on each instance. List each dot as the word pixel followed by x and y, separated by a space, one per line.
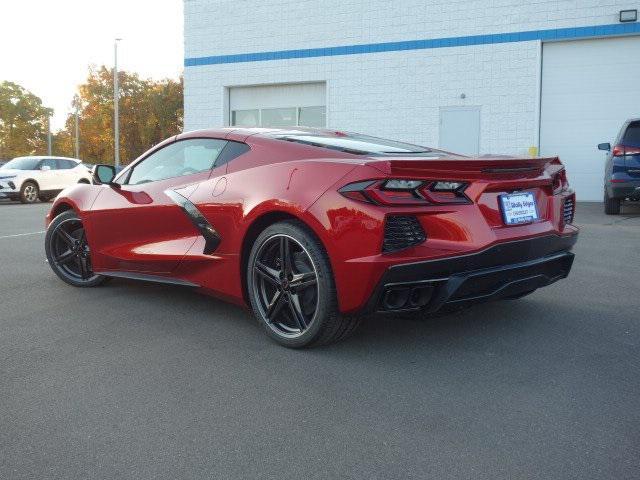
pixel 560 182
pixel 620 150
pixel 406 192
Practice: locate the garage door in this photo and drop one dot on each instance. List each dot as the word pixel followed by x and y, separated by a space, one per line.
pixel 589 88
pixel 283 105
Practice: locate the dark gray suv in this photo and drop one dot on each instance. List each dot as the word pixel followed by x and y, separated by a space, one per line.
pixel 622 171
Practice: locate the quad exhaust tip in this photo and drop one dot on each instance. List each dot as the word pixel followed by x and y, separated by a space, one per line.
pixel 407 297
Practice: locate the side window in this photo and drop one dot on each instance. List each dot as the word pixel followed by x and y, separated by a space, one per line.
pixel 48 162
pixel 66 164
pixel 183 157
pixel 231 151
pixel 201 154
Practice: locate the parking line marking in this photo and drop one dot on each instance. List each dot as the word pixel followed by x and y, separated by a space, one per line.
pixel 22 234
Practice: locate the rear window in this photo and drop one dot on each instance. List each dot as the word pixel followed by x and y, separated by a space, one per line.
pixel 632 135
pixel 358 144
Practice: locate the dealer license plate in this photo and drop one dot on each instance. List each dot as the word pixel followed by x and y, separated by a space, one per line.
pixel 518 208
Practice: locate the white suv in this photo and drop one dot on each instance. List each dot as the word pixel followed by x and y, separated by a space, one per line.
pixel 31 178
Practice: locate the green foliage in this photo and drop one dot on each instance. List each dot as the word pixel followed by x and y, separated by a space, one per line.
pixel 23 122
pixel 150 111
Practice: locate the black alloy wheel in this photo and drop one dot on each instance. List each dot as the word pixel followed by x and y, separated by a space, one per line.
pixel 286 284
pixel 68 252
pixel 291 288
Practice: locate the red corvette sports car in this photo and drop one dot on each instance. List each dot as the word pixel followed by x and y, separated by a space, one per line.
pixel 312 229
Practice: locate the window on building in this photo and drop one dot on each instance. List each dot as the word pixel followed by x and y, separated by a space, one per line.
pixel 314 116
pixel 245 118
pixel 278 117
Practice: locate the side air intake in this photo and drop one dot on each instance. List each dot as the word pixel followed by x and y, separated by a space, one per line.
pixel 568 210
pixel 402 231
pixel 211 237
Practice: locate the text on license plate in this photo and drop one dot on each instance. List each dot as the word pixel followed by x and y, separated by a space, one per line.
pixel 519 208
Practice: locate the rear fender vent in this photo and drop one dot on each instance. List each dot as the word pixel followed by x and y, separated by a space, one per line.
pixel 402 231
pixel 568 209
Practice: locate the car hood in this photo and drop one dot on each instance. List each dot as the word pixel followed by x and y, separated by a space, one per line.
pixel 9 172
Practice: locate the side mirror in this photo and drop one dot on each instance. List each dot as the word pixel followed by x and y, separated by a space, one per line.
pixel 103 174
pixel 604 146
pixel 45 168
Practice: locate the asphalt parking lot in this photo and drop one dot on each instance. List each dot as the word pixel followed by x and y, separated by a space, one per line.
pixel 134 380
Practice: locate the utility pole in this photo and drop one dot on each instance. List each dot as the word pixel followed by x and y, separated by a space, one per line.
pixel 116 124
pixel 49 134
pixel 77 102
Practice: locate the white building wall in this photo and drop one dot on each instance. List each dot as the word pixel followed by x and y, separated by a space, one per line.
pixel 394 94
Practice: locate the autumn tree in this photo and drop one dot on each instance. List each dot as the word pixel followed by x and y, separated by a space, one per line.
pixel 23 122
pixel 150 111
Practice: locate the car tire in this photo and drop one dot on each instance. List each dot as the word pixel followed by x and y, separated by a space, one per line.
pixel 68 252
pixel 29 192
pixel 611 205
pixel 292 314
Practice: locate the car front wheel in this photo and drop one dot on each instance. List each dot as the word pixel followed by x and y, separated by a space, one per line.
pixel 291 288
pixel 29 192
pixel 68 252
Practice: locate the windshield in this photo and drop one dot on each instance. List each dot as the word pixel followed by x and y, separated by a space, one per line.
pixel 358 144
pixel 21 163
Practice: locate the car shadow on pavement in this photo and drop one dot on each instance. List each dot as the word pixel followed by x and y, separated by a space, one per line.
pixel 592 213
pixel 630 209
pixel 215 318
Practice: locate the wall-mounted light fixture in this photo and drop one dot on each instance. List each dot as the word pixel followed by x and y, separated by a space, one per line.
pixel 628 16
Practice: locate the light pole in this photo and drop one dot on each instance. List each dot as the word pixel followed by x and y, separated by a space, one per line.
pixel 49 133
pixel 76 100
pixel 116 124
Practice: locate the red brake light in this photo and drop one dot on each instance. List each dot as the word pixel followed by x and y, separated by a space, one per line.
pixel 620 150
pixel 632 150
pixel 357 196
pixel 404 192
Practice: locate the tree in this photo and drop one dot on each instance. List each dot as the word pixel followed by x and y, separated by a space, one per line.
pixel 23 122
pixel 150 111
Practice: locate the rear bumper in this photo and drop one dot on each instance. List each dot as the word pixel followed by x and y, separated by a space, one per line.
pixel 622 190
pixel 503 270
